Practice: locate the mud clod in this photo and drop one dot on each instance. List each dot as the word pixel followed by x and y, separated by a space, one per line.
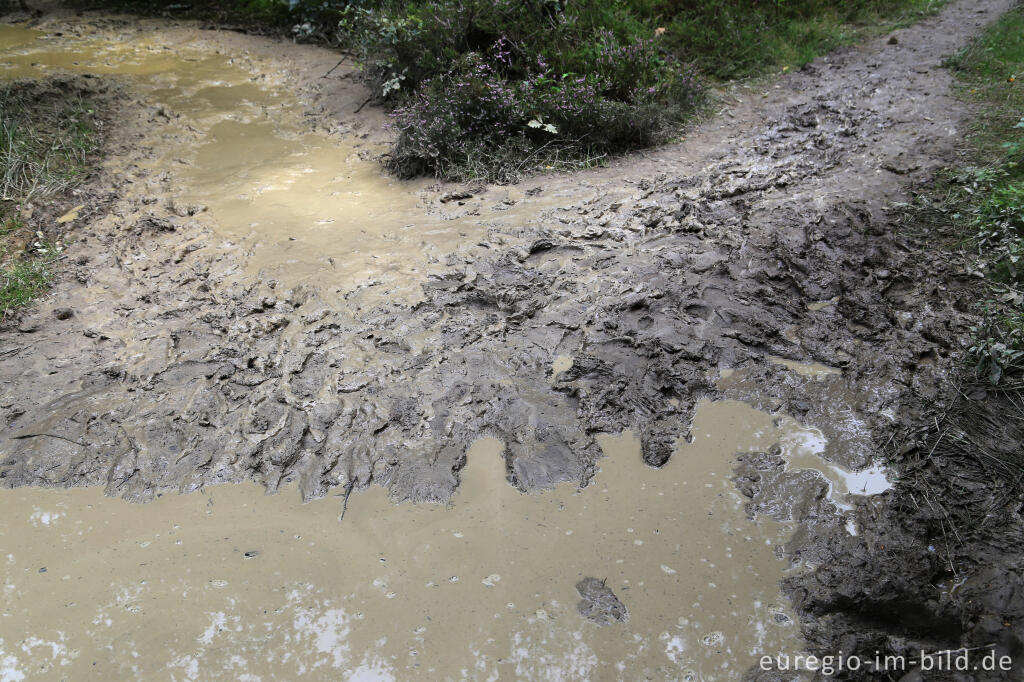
pixel 599 604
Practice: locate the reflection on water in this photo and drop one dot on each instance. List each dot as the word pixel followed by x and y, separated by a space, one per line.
pixel 803 449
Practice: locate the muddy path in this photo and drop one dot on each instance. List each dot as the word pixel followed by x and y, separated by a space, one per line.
pixel 202 324
pixel 252 301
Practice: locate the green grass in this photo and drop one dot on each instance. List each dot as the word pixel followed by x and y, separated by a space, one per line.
pixel 21 282
pixel 43 146
pixel 990 73
pixel 47 136
pixel 981 207
pixel 731 39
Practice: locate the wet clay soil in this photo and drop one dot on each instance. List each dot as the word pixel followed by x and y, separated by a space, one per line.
pixel 253 301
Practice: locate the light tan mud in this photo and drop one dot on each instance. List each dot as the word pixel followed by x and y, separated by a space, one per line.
pixel 821 305
pixel 813 370
pixel 230 580
pixel 302 206
pixel 561 363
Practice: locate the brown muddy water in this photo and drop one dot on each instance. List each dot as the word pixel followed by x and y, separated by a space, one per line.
pixel 232 583
pixel 303 207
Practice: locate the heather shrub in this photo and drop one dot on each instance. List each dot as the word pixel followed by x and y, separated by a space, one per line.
pixel 454 123
pixel 504 107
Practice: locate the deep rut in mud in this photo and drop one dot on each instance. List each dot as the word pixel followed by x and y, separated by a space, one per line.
pixel 254 301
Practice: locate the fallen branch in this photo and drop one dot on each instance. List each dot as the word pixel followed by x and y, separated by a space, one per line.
pixel 340 62
pixel 344 503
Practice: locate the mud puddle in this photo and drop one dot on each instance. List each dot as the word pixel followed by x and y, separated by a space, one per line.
pixel 303 207
pixel 812 370
pixel 232 581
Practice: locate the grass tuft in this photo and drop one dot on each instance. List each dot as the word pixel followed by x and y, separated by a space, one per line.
pixel 21 282
pixel 47 136
pixel 42 160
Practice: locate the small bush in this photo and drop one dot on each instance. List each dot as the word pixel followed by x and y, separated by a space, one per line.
pixel 489 88
pixel 998 348
pixel 477 120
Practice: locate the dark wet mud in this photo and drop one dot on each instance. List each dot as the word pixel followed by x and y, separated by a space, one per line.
pixel 756 261
pixel 649 297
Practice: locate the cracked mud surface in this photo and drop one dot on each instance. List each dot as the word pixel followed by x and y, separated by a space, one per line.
pixel 541 316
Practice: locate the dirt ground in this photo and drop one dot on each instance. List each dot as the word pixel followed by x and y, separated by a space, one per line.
pixel 201 350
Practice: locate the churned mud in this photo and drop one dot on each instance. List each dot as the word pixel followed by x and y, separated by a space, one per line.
pixel 252 300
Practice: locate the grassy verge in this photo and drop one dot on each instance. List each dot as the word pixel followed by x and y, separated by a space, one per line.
pixel 978 210
pixel 47 135
pixel 730 39
pixel 493 89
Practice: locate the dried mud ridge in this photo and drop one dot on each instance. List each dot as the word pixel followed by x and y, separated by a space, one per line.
pixel 181 373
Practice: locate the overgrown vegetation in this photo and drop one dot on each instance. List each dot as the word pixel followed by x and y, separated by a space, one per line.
pixel 981 208
pixel 490 89
pixel 735 38
pixel 495 87
pixel 47 133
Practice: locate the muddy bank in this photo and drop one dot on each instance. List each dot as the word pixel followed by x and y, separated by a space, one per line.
pixel 541 316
